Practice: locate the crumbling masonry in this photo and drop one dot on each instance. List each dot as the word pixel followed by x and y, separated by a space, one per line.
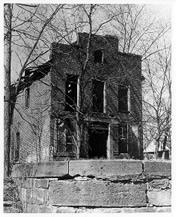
pixel 59 96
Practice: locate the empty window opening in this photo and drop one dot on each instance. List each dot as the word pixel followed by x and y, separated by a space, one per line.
pixel 27 97
pixel 98 56
pixel 123 98
pixel 17 148
pixel 122 138
pixel 98 96
pixel 97 143
pixel 71 93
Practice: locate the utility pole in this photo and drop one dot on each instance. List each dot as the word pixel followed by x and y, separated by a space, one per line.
pixel 7 82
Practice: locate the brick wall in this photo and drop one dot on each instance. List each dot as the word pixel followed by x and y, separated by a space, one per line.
pixel 118 68
pixel 33 123
pixel 95 186
pixel 47 97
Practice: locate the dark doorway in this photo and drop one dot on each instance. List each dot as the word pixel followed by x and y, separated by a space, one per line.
pixel 97 143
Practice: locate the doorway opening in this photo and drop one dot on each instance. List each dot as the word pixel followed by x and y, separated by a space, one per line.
pixel 98 142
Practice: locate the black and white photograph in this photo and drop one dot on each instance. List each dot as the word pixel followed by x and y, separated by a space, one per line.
pixel 87 107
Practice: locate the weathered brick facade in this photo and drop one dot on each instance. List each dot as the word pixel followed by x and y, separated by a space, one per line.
pixel 32 123
pixel 46 135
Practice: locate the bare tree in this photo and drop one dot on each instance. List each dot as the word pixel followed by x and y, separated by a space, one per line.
pixel 43 24
pixel 157 105
pixel 142 35
pixel 13 25
pixel 30 41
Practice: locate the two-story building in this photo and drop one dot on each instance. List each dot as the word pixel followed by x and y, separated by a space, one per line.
pixel 85 102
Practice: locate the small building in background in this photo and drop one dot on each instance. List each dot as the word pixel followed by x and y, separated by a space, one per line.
pixel 150 152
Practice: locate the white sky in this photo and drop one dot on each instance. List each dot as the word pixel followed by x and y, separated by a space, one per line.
pixel 161 10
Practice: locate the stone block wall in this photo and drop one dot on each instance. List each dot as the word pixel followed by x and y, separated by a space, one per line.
pixel 113 186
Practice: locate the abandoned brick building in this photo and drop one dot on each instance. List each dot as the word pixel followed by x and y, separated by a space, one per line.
pixel 68 108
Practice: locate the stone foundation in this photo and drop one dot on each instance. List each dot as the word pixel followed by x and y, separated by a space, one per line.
pixel 113 186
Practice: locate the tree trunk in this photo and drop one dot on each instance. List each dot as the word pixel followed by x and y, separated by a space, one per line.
pixel 7 80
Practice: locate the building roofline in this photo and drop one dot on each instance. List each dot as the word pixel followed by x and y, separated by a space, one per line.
pixel 35 73
pixel 130 54
pixel 32 74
